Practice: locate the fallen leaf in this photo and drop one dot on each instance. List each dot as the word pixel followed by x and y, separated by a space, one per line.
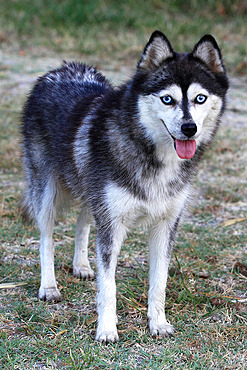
pixel 232 221
pixel 61 332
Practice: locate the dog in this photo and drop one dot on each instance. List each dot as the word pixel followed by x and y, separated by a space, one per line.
pixel 128 154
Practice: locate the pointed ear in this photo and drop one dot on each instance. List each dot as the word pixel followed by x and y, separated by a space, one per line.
pixel 208 52
pixel 157 50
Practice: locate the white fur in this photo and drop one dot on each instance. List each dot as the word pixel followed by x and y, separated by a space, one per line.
pixel 132 212
pixel 159 256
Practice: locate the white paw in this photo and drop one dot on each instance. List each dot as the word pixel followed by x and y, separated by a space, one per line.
pixel 107 336
pixel 162 330
pixel 83 272
pixel 50 294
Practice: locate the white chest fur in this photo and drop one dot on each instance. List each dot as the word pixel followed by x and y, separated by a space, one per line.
pixel 133 211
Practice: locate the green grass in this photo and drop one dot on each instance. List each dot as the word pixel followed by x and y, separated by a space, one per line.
pixel 208 268
pixel 118 29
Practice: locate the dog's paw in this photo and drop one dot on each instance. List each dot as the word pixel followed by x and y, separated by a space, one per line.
pixel 50 294
pixel 83 272
pixel 107 336
pixel 162 330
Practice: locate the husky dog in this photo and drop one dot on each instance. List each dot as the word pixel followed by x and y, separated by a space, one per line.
pixel 128 154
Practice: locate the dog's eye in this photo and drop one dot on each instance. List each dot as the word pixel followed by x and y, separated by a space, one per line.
pixel 167 100
pixel 200 99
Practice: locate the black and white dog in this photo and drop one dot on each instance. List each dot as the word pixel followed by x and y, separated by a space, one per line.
pixel 128 153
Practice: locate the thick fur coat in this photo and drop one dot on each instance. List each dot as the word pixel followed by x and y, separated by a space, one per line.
pixel 128 154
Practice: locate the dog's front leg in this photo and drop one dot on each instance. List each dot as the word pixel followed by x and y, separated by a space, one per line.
pixel 108 247
pixel 160 245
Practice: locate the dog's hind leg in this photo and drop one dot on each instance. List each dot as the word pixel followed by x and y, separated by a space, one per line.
pixel 160 245
pixel 81 266
pixel 45 217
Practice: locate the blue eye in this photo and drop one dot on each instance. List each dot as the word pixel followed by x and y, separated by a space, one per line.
pixel 167 100
pixel 200 99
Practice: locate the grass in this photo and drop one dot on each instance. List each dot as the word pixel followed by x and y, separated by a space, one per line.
pixel 118 29
pixel 207 283
pixel 202 302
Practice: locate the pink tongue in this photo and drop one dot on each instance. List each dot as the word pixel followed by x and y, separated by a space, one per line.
pixel 185 148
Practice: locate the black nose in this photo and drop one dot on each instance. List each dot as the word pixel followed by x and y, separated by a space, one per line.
pixel 189 129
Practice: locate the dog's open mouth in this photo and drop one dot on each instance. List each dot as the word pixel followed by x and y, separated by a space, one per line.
pixel 185 148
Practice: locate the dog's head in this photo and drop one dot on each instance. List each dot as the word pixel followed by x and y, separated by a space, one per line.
pixel 181 96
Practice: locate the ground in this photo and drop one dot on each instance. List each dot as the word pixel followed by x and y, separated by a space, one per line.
pixel 206 295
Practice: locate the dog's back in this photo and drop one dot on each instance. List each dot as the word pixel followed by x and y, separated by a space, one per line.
pixel 54 99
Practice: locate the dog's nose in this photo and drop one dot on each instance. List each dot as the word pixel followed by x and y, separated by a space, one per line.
pixel 189 129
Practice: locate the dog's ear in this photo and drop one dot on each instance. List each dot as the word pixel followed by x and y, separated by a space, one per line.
pixel 208 52
pixel 157 50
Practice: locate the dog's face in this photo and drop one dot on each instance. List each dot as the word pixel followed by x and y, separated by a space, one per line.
pixel 183 95
pixel 179 116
